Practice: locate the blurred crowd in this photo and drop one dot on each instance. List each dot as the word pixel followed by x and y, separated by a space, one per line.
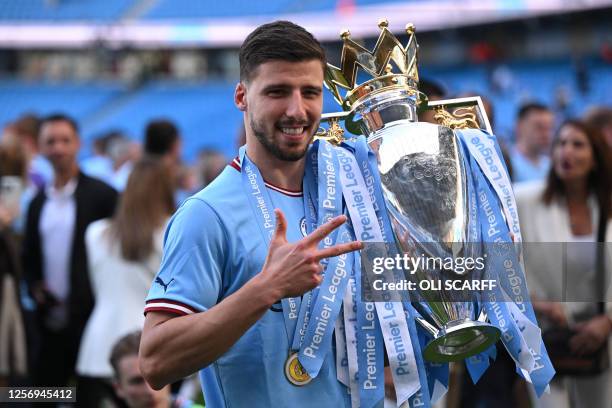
pixel 81 242
pixel 80 245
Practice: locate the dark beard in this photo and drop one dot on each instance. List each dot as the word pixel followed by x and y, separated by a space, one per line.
pixel 273 148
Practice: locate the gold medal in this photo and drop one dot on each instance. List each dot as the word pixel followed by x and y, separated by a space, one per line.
pixel 294 371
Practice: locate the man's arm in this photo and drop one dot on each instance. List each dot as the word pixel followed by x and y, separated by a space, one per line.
pixel 174 347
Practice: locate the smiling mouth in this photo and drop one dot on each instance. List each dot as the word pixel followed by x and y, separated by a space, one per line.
pixel 294 131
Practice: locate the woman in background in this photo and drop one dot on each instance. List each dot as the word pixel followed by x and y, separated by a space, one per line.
pixel 13 346
pixel 573 206
pixel 124 254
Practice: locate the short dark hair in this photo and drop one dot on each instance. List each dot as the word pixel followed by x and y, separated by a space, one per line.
pixel 60 117
pixel 160 136
pixel 527 108
pixel 280 40
pixel 127 345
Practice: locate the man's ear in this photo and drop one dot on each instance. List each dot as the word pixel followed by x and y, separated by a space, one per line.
pixel 240 96
pixel 118 389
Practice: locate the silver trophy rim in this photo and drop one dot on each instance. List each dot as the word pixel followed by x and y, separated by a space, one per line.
pixel 461 339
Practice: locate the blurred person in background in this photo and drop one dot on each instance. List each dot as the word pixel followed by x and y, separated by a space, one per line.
pixel 100 165
pixel 186 183
pixel 573 205
pixel 16 184
pixel 13 348
pixel 123 157
pixel 123 253
pixel 27 128
pixel 23 133
pixel 54 253
pixel 129 383
pixel 163 140
pixel 209 165
pixel 534 129
pixel 601 118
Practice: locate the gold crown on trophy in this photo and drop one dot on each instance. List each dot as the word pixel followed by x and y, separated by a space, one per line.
pixel 388 55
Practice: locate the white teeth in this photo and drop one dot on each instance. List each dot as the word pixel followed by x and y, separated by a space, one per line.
pixel 292 131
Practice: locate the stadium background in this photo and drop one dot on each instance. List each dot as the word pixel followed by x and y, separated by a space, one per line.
pixel 116 64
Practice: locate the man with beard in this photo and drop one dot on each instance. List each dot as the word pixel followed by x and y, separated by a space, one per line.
pixel 215 304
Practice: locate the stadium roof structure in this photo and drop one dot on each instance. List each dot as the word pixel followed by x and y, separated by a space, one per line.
pixel 195 23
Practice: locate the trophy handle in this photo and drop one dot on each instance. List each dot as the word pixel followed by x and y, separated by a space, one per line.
pixel 461 113
pixel 458 113
pixel 334 133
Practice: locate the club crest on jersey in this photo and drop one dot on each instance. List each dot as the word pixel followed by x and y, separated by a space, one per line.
pixel 303 226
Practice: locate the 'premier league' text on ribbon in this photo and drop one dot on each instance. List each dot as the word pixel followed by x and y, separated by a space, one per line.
pixel 403 367
pixel 328 296
pixel 366 230
pixel 329 201
pixel 261 203
pixel 364 219
pixel 490 162
pixel 369 349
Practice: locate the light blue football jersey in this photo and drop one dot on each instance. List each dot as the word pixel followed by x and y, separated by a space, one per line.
pixel 212 247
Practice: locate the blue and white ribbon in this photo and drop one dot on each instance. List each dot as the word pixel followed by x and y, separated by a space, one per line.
pixel 507 307
pixel 328 297
pixel 369 227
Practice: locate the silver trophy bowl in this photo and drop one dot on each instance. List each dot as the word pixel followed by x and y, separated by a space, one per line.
pixel 428 199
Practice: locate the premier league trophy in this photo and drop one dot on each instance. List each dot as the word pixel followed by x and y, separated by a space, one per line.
pixel 423 179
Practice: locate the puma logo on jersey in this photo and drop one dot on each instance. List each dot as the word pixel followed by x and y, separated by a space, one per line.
pixel 161 282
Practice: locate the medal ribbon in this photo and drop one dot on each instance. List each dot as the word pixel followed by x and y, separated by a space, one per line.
pixel 294 309
pixel 327 298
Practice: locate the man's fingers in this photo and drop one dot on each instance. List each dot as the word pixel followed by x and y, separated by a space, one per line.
pixel 280 232
pixel 324 230
pixel 339 249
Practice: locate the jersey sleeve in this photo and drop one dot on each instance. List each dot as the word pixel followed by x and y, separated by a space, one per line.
pixel 190 276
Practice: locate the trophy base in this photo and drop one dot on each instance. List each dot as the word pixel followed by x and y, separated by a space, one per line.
pixel 461 339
